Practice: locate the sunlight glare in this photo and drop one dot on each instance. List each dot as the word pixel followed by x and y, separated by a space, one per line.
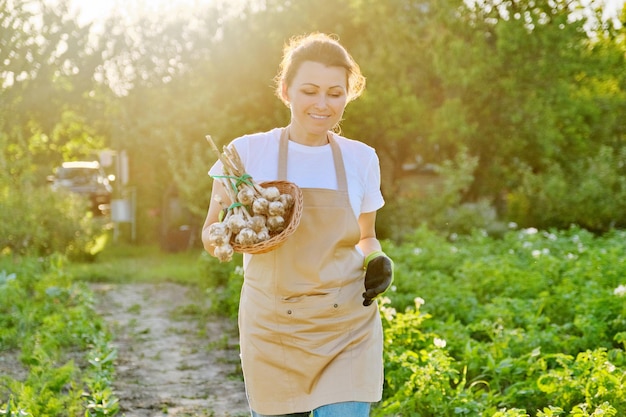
pixel 89 11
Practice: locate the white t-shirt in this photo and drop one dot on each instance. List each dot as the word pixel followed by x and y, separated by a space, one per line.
pixel 313 167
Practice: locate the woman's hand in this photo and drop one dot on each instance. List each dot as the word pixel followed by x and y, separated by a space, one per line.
pixel 378 275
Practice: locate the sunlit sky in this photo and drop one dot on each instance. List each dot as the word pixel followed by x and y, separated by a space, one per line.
pixel 92 10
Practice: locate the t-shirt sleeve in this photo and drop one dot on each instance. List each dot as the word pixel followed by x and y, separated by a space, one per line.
pixel 373 197
pixel 216 169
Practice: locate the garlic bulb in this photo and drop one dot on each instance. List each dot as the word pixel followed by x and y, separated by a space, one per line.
pixel 276 208
pixel 263 235
pixel 287 200
pixel 218 234
pixel 224 252
pixel 271 193
pixel 246 237
pixel 246 196
pixel 257 223
pixel 236 222
pixel 276 223
pixel 260 206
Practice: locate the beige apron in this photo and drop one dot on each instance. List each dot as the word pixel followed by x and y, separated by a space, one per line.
pixel 306 338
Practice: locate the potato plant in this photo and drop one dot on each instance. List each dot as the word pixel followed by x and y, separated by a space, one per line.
pixel 528 325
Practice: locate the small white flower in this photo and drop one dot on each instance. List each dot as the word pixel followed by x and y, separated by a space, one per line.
pixel 454 249
pixel 419 301
pixel 551 236
pixel 571 256
pixel 389 313
pixel 610 367
pixel 417 251
pixel 531 231
pixel 512 225
pixel 440 343
pixel 536 253
pixel 545 251
pixel 620 291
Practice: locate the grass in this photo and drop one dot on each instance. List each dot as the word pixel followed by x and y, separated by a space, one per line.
pixel 125 263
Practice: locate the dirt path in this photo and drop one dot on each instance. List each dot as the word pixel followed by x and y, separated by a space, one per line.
pixel 169 364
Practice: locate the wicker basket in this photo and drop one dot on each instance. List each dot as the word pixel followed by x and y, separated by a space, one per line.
pixel 292 220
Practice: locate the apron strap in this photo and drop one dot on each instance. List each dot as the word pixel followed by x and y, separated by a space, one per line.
pixel 283 150
pixel 340 169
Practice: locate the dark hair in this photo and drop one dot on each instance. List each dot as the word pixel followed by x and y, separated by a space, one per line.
pixel 322 48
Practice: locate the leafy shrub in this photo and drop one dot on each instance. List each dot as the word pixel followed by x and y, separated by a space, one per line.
pixel 217 274
pixel 438 203
pixel 590 193
pixel 225 299
pixel 37 221
pixel 222 284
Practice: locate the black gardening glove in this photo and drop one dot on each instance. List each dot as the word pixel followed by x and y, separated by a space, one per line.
pixel 378 275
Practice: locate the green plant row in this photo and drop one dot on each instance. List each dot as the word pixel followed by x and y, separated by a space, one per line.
pixel 532 324
pixel 57 352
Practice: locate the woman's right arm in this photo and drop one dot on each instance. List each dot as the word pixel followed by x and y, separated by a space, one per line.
pixel 218 193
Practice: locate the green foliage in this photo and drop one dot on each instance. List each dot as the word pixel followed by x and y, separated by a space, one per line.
pixel 598 203
pixel 525 90
pixel 532 323
pixel 47 88
pixel 420 376
pixel 48 322
pixel 37 221
pixel 228 280
pixel 435 200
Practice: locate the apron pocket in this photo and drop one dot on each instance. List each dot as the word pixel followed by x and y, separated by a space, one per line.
pixel 311 321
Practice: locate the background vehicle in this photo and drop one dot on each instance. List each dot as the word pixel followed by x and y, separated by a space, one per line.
pixel 86 178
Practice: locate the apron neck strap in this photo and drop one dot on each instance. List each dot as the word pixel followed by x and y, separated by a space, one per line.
pixel 340 170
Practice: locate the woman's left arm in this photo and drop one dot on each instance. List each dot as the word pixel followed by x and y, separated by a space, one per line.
pixel 368 242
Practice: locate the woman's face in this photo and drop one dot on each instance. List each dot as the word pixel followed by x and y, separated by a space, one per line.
pixel 317 97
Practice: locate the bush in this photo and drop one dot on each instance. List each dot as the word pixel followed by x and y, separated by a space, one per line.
pixel 436 201
pixel 590 193
pixel 37 221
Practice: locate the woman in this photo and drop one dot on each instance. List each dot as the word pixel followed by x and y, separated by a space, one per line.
pixel 310 340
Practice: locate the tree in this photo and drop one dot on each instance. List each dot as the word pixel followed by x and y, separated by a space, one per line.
pixel 48 74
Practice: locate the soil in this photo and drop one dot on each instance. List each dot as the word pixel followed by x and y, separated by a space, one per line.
pixel 171 359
